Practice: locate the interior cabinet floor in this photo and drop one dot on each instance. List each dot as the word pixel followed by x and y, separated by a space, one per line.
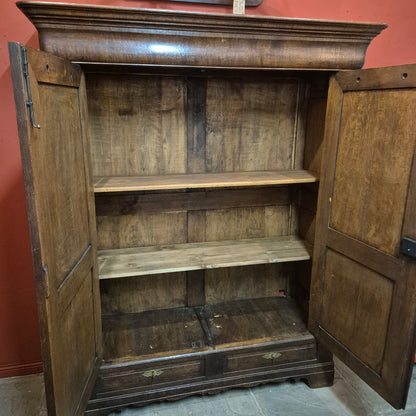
pixel 176 331
pixel 349 396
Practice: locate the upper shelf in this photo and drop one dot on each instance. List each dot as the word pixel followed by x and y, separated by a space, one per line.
pixel 201 180
pixel 115 35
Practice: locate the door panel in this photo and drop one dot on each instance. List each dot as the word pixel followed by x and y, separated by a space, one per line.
pixel 375 152
pixel 60 204
pixel 363 289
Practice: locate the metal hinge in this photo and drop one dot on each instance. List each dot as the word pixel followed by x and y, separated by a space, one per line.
pixel 29 103
pixel 408 247
pixel 45 281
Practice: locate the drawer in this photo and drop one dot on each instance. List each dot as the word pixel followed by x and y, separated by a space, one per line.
pixel 135 377
pixel 269 357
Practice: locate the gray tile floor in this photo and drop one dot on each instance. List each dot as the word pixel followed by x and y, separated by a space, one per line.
pixel 349 396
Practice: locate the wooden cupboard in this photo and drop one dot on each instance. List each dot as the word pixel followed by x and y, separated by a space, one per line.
pixel 172 165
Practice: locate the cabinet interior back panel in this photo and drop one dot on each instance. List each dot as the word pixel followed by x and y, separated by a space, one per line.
pixel 139 294
pixel 137 124
pixel 247 282
pixel 156 125
pixel 251 124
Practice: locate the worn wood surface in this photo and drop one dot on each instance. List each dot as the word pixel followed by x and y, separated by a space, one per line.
pixel 201 181
pixel 247 282
pixel 152 334
pixel 152 202
pixel 260 351
pixel 251 124
pixel 366 188
pixel 63 238
pixel 134 295
pixel 370 205
pixel 178 331
pixel 137 125
pixel 174 38
pixel 162 132
pixel 195 256
pixel 146 229
pixel 253 321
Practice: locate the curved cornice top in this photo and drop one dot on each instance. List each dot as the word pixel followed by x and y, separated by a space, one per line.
pixel 120 35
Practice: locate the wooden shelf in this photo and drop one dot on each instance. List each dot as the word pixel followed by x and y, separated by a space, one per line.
pixel 201 180
pixel 177 331
pixel 139 261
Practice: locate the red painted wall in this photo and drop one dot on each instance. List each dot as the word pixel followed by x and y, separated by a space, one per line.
pixel 19 333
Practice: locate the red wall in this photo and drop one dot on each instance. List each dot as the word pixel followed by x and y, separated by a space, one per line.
pixel 19 334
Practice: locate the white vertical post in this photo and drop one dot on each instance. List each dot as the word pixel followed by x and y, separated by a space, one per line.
pixel 239 6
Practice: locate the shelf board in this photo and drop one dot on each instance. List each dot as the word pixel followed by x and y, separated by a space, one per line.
pixel 178 331
pixel 117 263
pixel 106 184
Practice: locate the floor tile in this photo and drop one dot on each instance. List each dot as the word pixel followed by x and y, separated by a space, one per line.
pixel 22 396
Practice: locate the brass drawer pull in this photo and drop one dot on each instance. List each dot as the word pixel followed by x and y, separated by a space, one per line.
pixel 272 355
pixel 152 373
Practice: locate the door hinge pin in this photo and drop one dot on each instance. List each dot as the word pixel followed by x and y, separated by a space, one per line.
pixel 29 102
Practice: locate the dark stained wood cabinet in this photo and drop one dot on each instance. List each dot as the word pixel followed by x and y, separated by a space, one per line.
pixel 172 164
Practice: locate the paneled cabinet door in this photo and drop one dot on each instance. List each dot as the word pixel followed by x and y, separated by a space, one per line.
pixel 363 295
pixel 51 112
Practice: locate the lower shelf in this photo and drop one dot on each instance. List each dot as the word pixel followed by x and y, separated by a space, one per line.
pixel 138 261
pixel 170 354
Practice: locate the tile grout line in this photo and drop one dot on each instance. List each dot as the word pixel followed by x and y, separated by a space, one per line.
pixel 257 403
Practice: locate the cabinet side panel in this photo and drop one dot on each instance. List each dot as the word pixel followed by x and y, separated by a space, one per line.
pixel 137 124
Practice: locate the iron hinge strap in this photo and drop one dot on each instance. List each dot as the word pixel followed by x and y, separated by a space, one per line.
pixel 408 247
pixel 29 102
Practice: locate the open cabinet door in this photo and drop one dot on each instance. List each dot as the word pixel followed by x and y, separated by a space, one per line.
pixel 51 111
pixel 363 295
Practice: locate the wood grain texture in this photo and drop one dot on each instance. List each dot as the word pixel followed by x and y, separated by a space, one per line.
pixel 136 203
pixel 201 181
pixel 162 133
pixel 196 127
pixel 368 266
pixel 314 135
pixel 369 206
pixel 195 256
pixel 333 114
pixel 348 291
pixel 247 282
pixel 156 37
pixel 289 352
pixel 256 222
pixel 251 125
pixel 137 125
pixel 254 321
pixel 151 334
pixel 143 229
pixel 184 330
pixel 135 295
pixel 59 209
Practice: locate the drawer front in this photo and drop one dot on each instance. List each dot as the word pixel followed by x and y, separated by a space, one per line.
pixel 138 377
pixel 269 357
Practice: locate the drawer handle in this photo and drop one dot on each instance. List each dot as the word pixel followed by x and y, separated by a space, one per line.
pixel 271 355
pixel 152 373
